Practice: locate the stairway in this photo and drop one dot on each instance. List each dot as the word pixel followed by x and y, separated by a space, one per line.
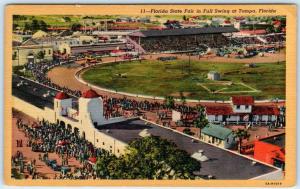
pixel 137 47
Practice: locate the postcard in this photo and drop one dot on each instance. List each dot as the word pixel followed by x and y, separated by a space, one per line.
pixel 150 95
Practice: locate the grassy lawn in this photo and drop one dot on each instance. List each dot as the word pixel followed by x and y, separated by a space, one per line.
pixel 58 21
pixel 169 78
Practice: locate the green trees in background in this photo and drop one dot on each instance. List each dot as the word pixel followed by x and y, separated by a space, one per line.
pixel 36 25
pixel 76 26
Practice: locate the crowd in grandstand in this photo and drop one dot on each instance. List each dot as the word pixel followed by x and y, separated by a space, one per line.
pixel 183 43
pixel 242 41
pixel 274 38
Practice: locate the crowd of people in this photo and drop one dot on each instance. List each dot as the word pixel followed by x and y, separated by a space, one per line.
pixel 183 43
pixel 20 167
pixel 274 38
pixel 39 72
pixel 242 41
pixel 55 138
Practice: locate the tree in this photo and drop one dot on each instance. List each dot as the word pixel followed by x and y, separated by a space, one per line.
pixel 155 158
pixel 201 120
pixel 76 27
pixel 169 102
pixel 188 131
pixel 35 25
pixel 27 26
pixel 241 134
pixel 40 55
pixel 102 165
pixel 270 29
pixel 42 25
pixel 15 26
pixel 67 19
pixel 182 98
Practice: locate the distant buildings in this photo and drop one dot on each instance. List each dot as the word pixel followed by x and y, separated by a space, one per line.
pixel 31 52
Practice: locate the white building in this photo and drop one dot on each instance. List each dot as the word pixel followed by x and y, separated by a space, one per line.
pixel 242 109
pixel 213 75
pixel 218 135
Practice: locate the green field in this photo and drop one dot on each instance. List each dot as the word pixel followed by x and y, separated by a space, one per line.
pixel 156 78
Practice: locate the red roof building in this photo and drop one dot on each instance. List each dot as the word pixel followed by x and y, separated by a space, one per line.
pixel 242 100
pixel 219 110
pixel 265 110
pixel 269 153
pixel 62 96
pixel 90 94
pixel 253 32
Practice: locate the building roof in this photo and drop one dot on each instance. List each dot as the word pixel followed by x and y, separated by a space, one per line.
pixel 219 110
pixel 32 92
pixel 30 42
pixel 253 32
pixel 213 72
pixel 278 140
pixel 265 110
pixel 39 34
pixel 90 94
pixel 269 150
pixel 61 96
pixel 184 31
pixel 16 43
pixel 242 100
pixel 217 131
pixel 222 164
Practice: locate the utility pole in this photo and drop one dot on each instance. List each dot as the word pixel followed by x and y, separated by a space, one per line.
pixel 189 64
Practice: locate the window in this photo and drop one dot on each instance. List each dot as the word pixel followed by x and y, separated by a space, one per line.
pixel 246 107
pixel 110 151
pixel 97 140
pixel 110 146
pixel 216 117
pixel 49 52
pixel 237 106
pixel 118 151
pixel 103 143
pixel 227 140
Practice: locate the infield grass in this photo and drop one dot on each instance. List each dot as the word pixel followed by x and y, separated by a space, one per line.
pixel 157 78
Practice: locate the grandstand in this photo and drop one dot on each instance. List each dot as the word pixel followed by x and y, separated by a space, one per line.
pixel 180 40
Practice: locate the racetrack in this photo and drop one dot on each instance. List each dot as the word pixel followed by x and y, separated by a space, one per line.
pixel 65 76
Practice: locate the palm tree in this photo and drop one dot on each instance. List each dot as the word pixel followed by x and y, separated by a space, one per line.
pixel 201 120
pixel 169 102
pixel 182 98
pixel 241 134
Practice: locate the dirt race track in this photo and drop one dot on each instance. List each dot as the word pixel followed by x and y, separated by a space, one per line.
pixel 267 58
pixel 65 76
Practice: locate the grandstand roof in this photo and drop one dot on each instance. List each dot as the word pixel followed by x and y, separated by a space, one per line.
pixel 183 31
